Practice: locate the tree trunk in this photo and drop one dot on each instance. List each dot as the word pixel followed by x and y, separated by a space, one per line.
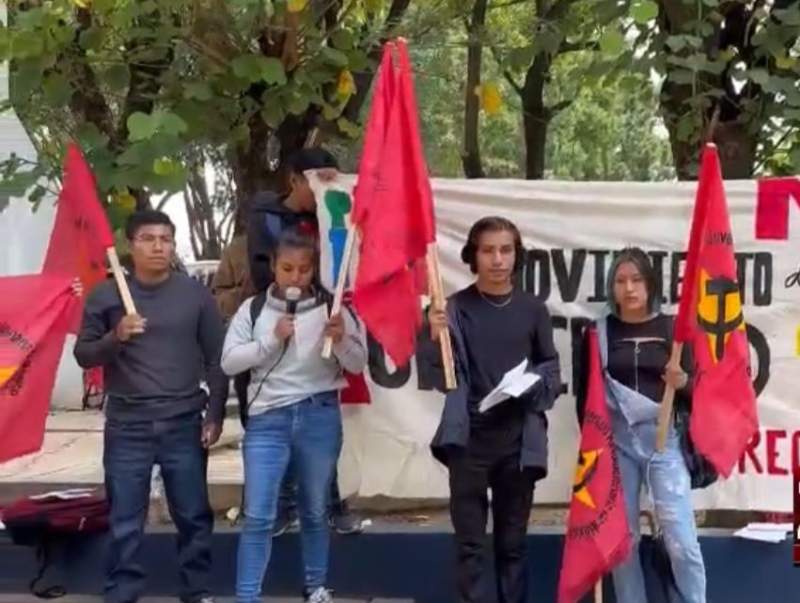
pixel 740 126
pixel 536 116
pixel 535 144
pixel 471 158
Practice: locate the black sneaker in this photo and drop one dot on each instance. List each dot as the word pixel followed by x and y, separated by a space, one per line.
pixel 285 524
pixel 346 523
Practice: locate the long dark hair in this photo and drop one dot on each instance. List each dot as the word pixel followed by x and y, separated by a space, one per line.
pixel 637 257
pixel 491 224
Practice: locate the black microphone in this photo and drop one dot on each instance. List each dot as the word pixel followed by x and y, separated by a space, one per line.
pixel 293 295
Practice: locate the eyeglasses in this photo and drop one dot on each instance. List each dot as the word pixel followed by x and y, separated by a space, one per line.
pixel 165 240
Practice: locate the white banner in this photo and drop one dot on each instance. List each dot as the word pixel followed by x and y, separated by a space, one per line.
pixel 570 231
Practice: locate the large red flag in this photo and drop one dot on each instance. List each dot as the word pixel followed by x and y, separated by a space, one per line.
pixel 598 536
pixel 34 312
pixel 81 233
pixel 710 317
pixel 393 210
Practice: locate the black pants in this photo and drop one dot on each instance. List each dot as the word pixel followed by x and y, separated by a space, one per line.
pixel 471 475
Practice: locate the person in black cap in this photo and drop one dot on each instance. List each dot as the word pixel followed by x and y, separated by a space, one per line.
pixel 269 216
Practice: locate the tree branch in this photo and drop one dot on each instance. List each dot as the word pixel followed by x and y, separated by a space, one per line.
pixel 566 47
pixel 558 108
pixel 506 72
pixel 88 105
pixel 145 81
pixel 363 80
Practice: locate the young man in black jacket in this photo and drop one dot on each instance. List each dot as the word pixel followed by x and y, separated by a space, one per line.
pixel 270 215
pixel 494 328
pixel 153 363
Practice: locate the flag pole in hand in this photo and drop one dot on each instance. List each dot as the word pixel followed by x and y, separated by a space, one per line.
pixel 122 284
pixel 341 280
pixel 438 301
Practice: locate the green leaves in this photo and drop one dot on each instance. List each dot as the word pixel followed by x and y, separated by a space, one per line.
pixel 142 126
pixel 26 44
pixel 18 177
pixel 334 57
pixel 25 80
pixel 273 114
pixel 348 128
pixel 644 11
pixel 256 68
pixel 198 90
pixel 92 38
pixel 57 89
pixel 612 42
pixel 117 77
pixel 547 40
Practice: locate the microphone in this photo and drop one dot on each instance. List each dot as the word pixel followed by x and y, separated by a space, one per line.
pixel 293 295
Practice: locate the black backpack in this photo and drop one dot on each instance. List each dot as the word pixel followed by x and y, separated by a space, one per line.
pixel 242 381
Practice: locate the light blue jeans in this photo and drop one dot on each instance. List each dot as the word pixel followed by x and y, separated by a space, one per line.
pixel 668 479
pixel 310 433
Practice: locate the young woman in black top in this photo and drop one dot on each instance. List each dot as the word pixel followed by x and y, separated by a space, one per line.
pixel 635 341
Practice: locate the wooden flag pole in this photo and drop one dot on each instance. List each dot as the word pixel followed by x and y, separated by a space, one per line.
pixel 665 412
pixel 122 284
pixel 437 299
pixel 341 280
pixel 598 591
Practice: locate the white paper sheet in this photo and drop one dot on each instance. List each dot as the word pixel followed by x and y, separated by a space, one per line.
pixel 765 532
pixel 308 329
pixel 513 384
pixel 70 494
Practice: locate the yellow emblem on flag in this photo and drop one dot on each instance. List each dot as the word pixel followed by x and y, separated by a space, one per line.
pixel 583 475
pixel 719 312
pixel 6 372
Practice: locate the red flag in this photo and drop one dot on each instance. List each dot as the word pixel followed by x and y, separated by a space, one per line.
pixel 710 317
pixel 33 324
pixel 772 211
pixel 598 536
pixel 81 233
pixel 393 210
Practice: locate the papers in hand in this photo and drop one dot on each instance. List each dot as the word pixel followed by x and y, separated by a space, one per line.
pixel 513 384
pixel 308 329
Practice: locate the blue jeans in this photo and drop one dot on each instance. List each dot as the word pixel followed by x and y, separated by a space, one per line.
pixel 130 451
pixel 310 433
pixel 670 485
pixel 287 499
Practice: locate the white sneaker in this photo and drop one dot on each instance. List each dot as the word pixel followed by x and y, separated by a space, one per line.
pixel 320 595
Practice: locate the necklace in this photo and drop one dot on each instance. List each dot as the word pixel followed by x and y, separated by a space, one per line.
pixel 502 304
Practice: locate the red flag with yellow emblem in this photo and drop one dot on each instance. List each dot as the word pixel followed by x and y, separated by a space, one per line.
pixel 710 318
pixel 598 538
pixel 34 313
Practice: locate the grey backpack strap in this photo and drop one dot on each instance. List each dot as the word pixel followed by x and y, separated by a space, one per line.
pixel 602 340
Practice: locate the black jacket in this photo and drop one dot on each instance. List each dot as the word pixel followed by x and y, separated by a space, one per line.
pixel 454 428
pixel 268 218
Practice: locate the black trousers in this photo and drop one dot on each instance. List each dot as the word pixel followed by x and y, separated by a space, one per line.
pixel 471 475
